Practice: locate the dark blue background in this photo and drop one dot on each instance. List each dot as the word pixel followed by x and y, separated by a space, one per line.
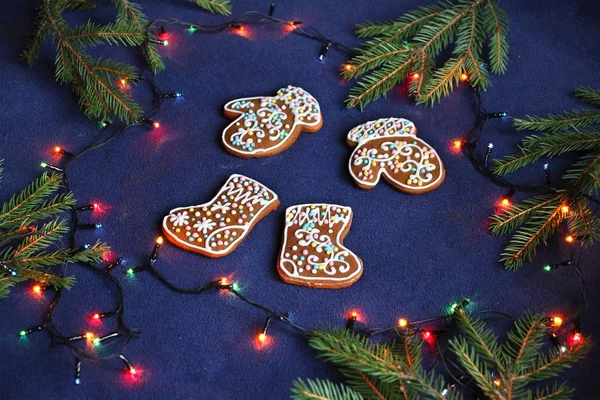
pixel 419 252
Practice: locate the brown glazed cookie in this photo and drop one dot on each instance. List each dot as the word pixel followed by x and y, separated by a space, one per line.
pixel 405 161
pixel 264 126
pixel 390 147
pixel 312 253
pixel 216 228
pixel 379 128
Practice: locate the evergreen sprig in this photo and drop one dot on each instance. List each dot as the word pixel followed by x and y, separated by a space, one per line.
pixel 410 45
pixel 394 371
pixel 31 230
pixel 536 219
pixel 93 79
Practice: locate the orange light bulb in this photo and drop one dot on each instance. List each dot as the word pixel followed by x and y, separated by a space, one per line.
pixel 416 75
pixel 262 337
pixel 464 77
pixel 354 315
pixel 458 144
pixel 348 67
pixel 89 335
pixel 123 82
pixel 569 239
pixel 557 321
pixel 224 281
pixel 497 382
pixel 565 209
pixel 159 240
pixel 402 323
pixel 37 289
pixel 505 202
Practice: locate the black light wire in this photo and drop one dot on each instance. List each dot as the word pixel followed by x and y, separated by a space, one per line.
pixel 128 334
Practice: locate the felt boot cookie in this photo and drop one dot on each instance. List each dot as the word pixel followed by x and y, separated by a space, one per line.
pixel 312 253
pixel 264 126
pixel 216 228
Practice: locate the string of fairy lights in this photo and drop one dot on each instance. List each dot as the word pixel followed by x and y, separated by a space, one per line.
pixel 112 345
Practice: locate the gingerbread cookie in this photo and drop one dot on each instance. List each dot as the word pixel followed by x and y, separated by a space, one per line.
pixel 264 126
pixel 216 228
pixel 405 161
pixel 312 253
pixel 380 127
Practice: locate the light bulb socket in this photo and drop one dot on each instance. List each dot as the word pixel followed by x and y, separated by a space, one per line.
pixel 157 41
pixel 271 9
pixel 51 167
pixel 89 226
pixel 324 51
pixel 114 264
pixel 77 371
pixel 497 115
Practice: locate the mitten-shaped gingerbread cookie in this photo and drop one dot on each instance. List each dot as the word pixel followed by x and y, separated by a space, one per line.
pixel 264 126
pixel 216 228
pixel 312 253
pixel 405 161
pixel 379 128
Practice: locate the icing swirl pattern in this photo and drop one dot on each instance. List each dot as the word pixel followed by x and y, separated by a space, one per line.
pixel 267 125
pixel 312 253
pixel 216 228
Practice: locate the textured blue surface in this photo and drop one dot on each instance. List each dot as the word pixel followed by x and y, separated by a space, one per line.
pixel 419 252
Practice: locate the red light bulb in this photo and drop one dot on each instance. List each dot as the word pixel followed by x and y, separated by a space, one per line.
pixel 416 75
pixel 132 371
pixel 426 335
pixel 576 338
pixel 96 316
pixel 57 149
pixel 156 125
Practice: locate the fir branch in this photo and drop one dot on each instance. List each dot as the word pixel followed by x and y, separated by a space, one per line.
pixel 484 342
pixel 496 21
pixel 582 223
pixel 130 12
pixel 588 95
pixel 56 205
pixel 525 342
pixel 153 57
pixel 404 27
pixel 556 392
pixel 92 34
pixel 549 365
pixel 522 246
pixel 29 198
pixel 316 389
pixel 470 360
pixel 585 173
pixel 48 234
pixel 378 83
pixel 517 214
pixel 222 7
pixel 385 61
pixel 576 119
pixel 549 145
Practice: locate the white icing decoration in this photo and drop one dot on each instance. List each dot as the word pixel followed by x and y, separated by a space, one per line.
pixel 381 127
pixel 334 259
pixel 262 118
pixel 238 189
pixel 420 166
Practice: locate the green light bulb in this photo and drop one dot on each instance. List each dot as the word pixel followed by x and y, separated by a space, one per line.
pixel 547 268
pixel 235 286
pixel 43 164
pixel 192 29
pixel 96 341
pixel 23 333
pixel 166 43
pixel 130 271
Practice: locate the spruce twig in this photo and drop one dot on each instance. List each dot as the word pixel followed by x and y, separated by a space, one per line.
pixel 410 45
pixel 31 230
pixel 536 219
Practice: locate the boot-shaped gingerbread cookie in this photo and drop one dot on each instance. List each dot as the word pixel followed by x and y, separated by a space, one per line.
pixel 216 228
pixel 264 126
pixel 312 253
